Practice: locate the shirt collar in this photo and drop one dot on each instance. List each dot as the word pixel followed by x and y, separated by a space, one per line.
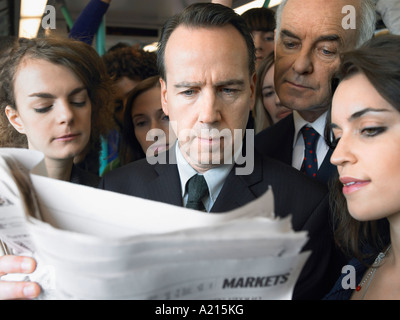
pixel 215 177
pixel 318 125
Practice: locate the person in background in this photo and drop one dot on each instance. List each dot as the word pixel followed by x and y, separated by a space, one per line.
pixel 6 42
pixel 364 131
pixel 127 66
pixel 309 40
pixel 88 22
pixel 143 119
pixel 268 109
pixel 227 3
pixel 261 22
pixel 52 92
pixel 390 13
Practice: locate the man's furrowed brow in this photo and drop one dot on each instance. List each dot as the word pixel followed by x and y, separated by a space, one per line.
pixel 287 33
pixel 329 37
pixel 187 84
pixel 230 82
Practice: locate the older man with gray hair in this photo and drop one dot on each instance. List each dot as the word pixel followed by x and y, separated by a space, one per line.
pixel 310 36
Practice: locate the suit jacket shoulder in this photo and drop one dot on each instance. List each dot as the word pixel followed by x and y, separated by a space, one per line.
pixel 80 176
pixel 158 182
pixel 277 140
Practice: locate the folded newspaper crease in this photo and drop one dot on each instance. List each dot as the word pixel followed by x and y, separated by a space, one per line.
pixel 96 244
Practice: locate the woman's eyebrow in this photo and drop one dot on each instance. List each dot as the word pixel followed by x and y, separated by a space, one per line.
pixel 360 113
pixel 357 115
pixel 76 91
pixel 46 95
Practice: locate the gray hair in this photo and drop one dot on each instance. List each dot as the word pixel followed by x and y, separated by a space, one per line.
pixel 367 21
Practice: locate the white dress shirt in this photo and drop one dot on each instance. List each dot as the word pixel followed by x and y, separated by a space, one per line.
pixel 298 141
pixel 214 177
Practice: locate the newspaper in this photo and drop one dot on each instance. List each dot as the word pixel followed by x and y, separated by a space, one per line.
pixel 96 244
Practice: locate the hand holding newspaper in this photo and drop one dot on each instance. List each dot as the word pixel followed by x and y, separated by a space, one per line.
pixel 96 244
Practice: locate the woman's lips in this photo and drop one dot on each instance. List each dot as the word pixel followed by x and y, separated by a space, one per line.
pixel 68 137
pixel 351 185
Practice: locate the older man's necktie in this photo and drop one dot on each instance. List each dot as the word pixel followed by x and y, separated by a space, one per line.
pixel 310 162
pixel 197 190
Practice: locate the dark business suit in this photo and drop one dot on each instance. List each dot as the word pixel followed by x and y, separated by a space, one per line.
pixel 80 176
pixel 294 194
pixel 277 142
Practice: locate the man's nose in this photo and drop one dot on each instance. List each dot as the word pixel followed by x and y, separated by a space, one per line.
pixel 303 63
pixel 209 109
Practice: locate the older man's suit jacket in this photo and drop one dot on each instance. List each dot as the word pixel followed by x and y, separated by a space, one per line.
pixel 277 142
pixel 294 194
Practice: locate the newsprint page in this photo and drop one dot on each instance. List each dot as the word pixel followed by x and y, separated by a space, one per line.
pixel 92 244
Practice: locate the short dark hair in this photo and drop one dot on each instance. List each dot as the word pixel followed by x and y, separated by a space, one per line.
pixel 205 15
pixel 133 63
pixel 379 61
pixel 6 42
pixel 260 19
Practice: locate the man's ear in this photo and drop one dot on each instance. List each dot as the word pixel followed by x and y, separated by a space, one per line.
pixel 15 120
pixel 164 96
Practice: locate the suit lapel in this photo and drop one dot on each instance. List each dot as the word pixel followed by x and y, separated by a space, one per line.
pixel 284 140
pixel 327 170
pixel 166 185
pixel 285 154
pixel 236 191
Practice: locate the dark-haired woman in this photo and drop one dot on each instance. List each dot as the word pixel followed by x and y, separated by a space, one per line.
pixel 145 129
pixel 365 131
